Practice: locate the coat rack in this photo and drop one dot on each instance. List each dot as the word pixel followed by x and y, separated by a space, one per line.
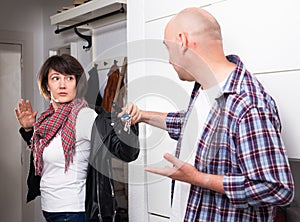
pixel 85 37
pixel 88 38
pixel 105 64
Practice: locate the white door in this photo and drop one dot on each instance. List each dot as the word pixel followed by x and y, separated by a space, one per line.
pixel 10 148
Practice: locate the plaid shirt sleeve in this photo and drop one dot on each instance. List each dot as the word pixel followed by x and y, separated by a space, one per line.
pixel 264 178
pixel 174 123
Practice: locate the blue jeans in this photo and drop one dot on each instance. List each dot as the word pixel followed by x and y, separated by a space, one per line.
pixel 66 217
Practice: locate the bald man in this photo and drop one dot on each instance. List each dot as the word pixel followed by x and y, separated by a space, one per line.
pixel 230 162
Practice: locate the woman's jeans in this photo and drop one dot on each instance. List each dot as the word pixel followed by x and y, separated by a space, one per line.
pixel 66 217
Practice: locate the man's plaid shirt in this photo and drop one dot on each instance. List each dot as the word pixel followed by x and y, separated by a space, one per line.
pixel 241 140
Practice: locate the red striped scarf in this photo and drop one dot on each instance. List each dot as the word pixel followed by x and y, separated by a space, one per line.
pixel 49 124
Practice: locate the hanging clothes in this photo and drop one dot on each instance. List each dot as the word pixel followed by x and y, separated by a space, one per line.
pixel 116 88
pixel 93 95
pixel 111 88
pixel 121 93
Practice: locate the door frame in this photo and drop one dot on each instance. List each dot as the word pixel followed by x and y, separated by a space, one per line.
pixel 27 91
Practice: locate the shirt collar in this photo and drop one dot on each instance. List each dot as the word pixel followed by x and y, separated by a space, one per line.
pixel 233 82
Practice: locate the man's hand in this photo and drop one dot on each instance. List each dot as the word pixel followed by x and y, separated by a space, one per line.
pixel 133 111
pixel 186 172
pixel 181 171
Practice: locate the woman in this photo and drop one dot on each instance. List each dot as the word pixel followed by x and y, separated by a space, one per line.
pixel 60 143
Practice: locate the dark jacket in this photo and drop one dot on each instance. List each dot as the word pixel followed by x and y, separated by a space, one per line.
pixel 108 141
pixel 33 181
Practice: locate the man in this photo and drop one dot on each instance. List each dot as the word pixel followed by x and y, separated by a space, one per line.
pixel 235 168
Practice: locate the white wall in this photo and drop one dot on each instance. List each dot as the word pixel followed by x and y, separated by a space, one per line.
pixel 110 42
pixel 25 16
pixel 22 22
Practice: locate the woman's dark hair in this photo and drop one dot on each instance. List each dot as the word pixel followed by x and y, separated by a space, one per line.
pixel 66 65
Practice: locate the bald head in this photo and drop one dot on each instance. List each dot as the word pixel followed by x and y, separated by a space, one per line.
pixel 197 23
pixel 194 42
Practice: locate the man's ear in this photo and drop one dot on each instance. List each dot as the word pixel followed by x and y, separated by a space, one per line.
pixel 183 40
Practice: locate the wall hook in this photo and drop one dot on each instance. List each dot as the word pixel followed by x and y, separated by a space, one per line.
pixel 88 38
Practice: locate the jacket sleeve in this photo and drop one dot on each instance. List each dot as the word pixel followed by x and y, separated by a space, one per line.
pixel 33 181
pixel 110 140
pixel 26 135
pixel 123 145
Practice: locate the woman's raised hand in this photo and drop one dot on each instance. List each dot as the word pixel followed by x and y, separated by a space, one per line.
pixel 25 115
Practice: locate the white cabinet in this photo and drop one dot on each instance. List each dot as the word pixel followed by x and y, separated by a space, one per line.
pixel 262 33
pixel 165 93
pixel 161 94
pixel 284 88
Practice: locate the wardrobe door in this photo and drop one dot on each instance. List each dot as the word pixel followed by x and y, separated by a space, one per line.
pixel 10 158
pixel 283 87
pixel 254 30
pixel 165 93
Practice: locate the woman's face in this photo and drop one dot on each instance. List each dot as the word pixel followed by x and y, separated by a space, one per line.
pixel 62 87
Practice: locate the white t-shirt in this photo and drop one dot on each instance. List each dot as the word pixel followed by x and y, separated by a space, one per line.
pixel 65 191
pixel 189 145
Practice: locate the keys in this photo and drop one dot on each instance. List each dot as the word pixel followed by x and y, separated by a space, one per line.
pixel 127 119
